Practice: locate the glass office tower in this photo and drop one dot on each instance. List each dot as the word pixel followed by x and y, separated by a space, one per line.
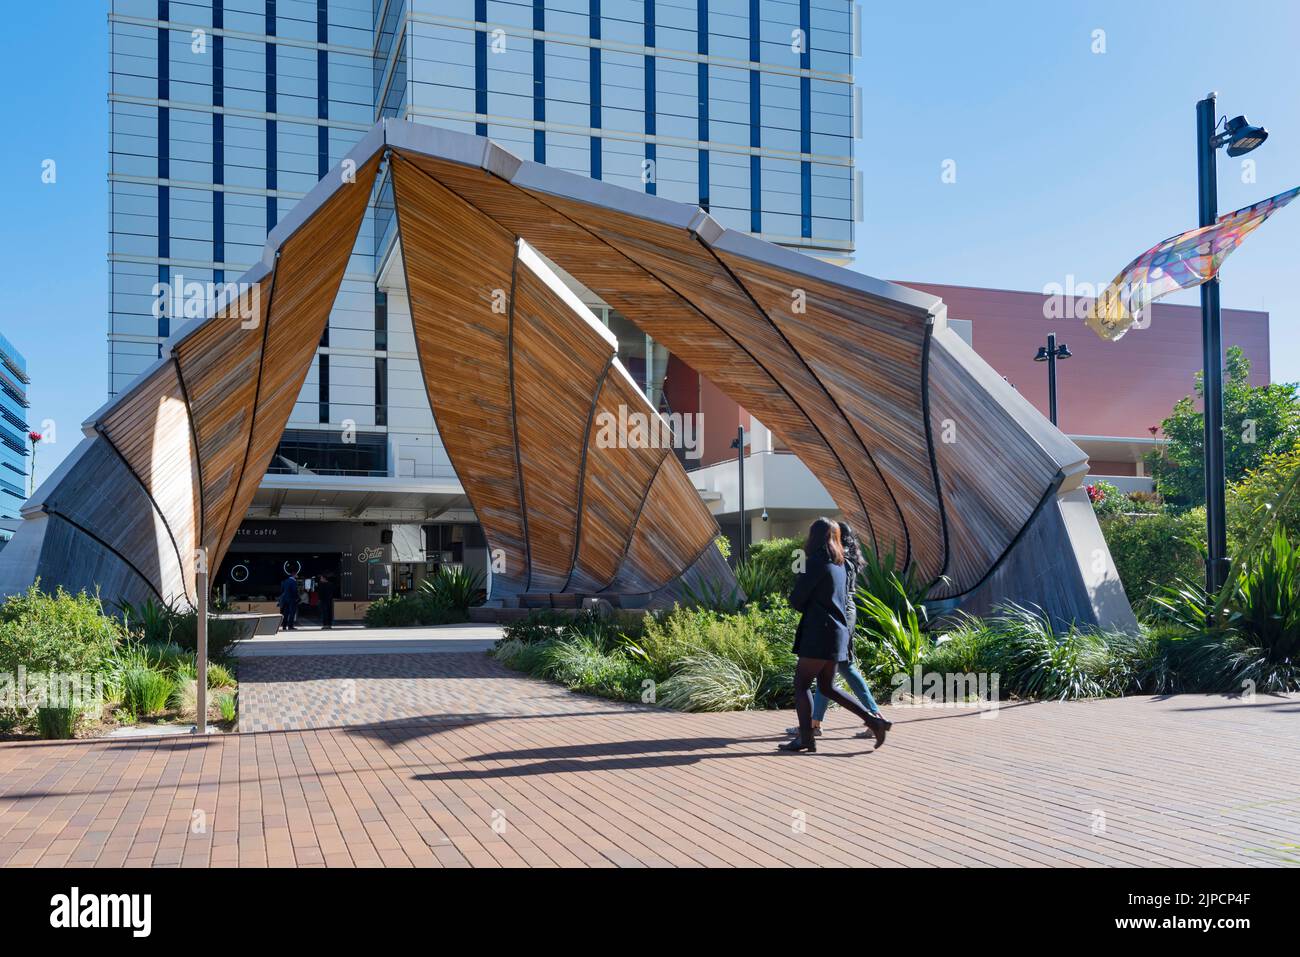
pixel 225 112
pixel 13 431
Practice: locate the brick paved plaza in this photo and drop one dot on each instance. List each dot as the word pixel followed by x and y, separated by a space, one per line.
pixel 450 760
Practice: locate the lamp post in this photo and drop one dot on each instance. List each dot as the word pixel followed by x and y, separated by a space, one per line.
pixel 1049 354
pixel 738 443
pixel 1240 138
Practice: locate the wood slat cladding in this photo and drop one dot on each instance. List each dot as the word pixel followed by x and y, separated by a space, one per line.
pixel 663 546
pixel 617 477
pixel 459 275
pixel 152 433
pixel 559 362
pixel 608 264
pixel 218 365
pixel 880 393
pixel 974 433
pixel 724 310
pixel 529 431
pixel 102 499
pixel 307 276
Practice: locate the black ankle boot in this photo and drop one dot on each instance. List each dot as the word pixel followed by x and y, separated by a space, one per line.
pixel 798 745
pixel 879 727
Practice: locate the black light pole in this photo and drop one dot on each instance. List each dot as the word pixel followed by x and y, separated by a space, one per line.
pixel 1049 354
pixel 738 443
pixel 1240 138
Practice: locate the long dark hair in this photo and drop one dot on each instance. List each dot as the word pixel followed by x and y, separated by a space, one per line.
pixel 824 540
pixel 852 553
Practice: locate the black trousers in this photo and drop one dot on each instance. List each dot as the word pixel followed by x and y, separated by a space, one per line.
pixel 822 671
pixel 327 614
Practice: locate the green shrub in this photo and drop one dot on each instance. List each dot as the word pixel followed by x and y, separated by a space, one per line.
pixel 418 608
pixel 546 624
pixel 698 654
pixel 713 596
pixel 168 624
pixel 57 723
pixel 391 611
pixel 185 671
pixel 146 691
pixel 62 633
pixel 1252 499
pixel 760 581
pixel 879 576
pixel 168 656
pixel 772 562
pixel 1106 498
pixel 522 656
pixel 751 638
pixel 540 625
pixel 1155 550
pixel 964 648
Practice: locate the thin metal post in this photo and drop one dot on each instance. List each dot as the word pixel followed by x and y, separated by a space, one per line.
pixel 201 652
pixel 744 524
pixel 1216 565
pixel 1051 375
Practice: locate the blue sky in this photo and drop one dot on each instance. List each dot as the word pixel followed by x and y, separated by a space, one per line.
pixel 1068 162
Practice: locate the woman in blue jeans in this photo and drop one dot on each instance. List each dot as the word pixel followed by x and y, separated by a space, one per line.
pixel 847 669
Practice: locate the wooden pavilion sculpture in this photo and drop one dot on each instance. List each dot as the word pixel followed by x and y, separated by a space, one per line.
pixel 923 447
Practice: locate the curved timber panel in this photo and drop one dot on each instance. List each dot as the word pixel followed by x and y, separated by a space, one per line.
pixel 103 502
pixel 218 365
pixel 524 382
pixel 617 478
pixel 558 364
pixel 976 437
pixel 152 434
pixel 663 546
pixel 459 275
pixel 309 269
pixel 879 393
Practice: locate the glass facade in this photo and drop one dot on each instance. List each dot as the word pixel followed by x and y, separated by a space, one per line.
pixel 225 112
pixel 13 430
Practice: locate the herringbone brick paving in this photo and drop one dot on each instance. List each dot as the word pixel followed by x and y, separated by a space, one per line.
pixel 515 772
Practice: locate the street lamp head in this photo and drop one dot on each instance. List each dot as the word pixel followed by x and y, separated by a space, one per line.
pixel 1042 354
pixel 1241 137
pixel 1063 351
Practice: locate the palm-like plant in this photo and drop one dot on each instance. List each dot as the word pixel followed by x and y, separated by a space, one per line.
pixel 879 575
pixel 758 579
pixel 453 588
pixel 1266 603
pixel 894 627
pixel 712 596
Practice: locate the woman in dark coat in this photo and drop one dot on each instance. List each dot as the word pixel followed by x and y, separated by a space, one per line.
pixel 848 670
pixel 822 638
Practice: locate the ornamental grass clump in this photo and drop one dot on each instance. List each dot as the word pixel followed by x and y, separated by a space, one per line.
pixel 146 692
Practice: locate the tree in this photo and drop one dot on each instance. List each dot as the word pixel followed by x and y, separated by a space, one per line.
pixel 1258 421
